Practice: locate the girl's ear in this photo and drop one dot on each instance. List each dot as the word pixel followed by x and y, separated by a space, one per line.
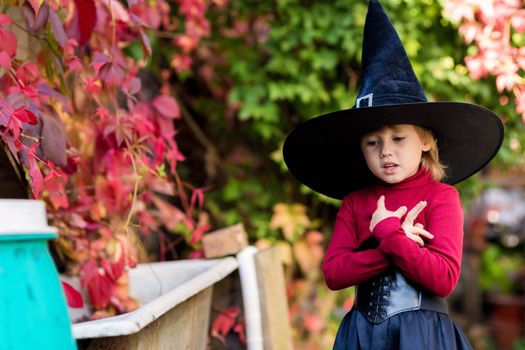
pixel 426 146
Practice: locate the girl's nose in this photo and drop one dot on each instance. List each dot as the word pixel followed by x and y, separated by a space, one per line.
pixel 385 151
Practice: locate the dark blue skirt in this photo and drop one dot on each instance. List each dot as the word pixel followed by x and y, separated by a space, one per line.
pixel 420 329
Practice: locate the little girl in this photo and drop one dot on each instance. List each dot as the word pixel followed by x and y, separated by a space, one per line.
pixel 399 231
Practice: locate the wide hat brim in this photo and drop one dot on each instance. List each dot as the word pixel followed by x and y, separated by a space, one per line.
pixel 324 152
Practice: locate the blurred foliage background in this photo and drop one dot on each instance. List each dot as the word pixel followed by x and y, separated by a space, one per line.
pixel 242 74
pixel 270 65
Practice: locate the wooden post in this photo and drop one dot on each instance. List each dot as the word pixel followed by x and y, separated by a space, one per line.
pixel 227 241
pixel 274 305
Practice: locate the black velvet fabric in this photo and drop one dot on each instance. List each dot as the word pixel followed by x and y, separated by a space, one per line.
pixel 387 72
pixel 409 330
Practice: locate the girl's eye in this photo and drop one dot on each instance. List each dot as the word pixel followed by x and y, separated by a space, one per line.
pixel 398 138
pixel 372 142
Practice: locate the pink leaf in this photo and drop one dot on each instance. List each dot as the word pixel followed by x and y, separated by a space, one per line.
pixel 54 186
pixel 314 323
pixel 37 180
pixel 4 19
pixel 116 8
pixel 181 63
pixel 5 60
pixel 186 42
pixel 166 106
pixel 8 42
pixel 73 297
pixel 197 197
pixel 197 234
pixel 224 323
pixel 196 254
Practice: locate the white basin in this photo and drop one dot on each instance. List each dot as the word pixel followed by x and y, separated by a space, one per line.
pixel 158 287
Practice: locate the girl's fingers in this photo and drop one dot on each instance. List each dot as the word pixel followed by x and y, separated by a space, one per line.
pixel 416 239
pixel 381 202
pixel 400 211
pixel 420 231
pixel 414 212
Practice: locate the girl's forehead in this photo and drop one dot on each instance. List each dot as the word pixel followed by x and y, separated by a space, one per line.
pixel 392 127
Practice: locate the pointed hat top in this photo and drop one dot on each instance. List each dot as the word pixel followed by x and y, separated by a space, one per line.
pixel 388 77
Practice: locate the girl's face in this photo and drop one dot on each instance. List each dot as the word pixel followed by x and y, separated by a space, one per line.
pixel 393 153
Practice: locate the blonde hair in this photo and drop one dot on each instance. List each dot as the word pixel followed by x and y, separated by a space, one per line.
pixel 430 158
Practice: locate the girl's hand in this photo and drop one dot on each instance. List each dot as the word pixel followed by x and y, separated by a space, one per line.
pixel 382 213
pixel 415 232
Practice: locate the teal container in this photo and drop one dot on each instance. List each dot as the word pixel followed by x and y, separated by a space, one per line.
pixel 33 311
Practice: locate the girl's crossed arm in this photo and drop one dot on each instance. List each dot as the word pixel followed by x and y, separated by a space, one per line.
pixel 437 266
pixel 344 264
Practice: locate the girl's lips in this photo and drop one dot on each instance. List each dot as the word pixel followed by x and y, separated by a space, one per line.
pixel 390 168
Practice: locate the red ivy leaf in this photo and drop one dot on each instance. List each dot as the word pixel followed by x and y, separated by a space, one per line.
pixel 25 116
pixel 73 297
pixel 314 323
pixel 86 19
pixel 224 322
pixel 240 329
pixel 197 196
pixel 8 42
pixel 99 286
pixel 100 291
pixel 5 60
pixel 54 185
pixel 114 270
pixel 197 234
pixel 196 254
pixel 37 180
pixel 4 19
pixel 166 106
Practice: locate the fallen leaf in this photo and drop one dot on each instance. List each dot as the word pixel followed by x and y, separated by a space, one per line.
pixel 73 297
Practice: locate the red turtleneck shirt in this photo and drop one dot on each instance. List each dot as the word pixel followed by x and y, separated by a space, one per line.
pixel 355 254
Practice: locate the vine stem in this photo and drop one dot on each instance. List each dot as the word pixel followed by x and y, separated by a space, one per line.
pixel 135 187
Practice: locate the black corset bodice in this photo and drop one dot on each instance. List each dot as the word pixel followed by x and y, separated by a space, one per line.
pixel 390 293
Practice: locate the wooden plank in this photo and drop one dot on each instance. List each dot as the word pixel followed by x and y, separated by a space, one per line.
pixel 274 305
pixel 226 241
pixel 182 328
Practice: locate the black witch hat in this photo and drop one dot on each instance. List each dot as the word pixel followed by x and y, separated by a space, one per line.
pixel 324 152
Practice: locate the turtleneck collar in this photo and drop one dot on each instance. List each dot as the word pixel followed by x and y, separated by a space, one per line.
pixel 422 177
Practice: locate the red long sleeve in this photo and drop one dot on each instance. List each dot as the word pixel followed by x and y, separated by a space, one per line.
pixel 435 267
pixel 344 265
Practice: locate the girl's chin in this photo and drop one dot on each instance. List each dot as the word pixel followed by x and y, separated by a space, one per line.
pixel 392 179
